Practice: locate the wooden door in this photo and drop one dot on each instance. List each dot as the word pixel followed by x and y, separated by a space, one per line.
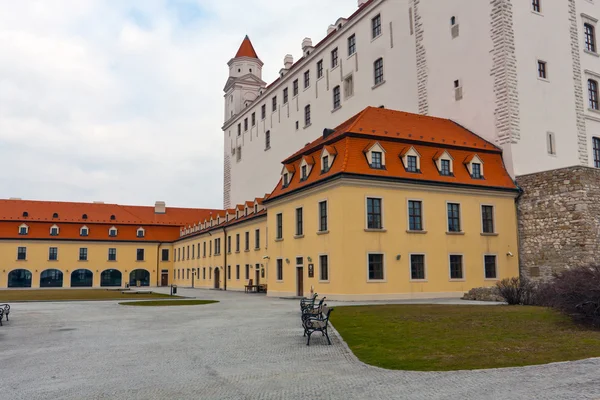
pixel 217 280
pixel 257 276
pixel 164 279
pixel 300 281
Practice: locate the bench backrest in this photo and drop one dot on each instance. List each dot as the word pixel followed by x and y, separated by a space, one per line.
pixel 326 312
pixel 250 281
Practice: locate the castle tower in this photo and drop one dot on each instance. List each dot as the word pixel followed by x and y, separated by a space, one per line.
pixel 245 79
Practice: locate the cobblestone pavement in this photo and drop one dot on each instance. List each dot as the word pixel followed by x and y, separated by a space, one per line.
pixel 245 347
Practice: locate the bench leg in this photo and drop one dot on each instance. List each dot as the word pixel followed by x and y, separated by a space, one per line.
pixel 327 336
pixel 308 341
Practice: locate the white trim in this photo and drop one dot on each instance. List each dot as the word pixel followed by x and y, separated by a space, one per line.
pixel 497 272
pixel 382 228
pixel 111 229
pixel 57 230
pixel 377 296
pixel 328 268
pixel 460 222
pixel 26 229
pixel 87 231
pixel 140 229
pixel 319 231
pixel 493 217
pixel 384 280
pixel 464 275
pixel 408 215
pixel 410 278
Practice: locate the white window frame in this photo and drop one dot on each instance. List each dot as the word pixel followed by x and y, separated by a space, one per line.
pixel 366 211
pixel 57 230
pixel 464 270
pixel 460 218
pixel 497 268
pixel 319 231
pixel 481 218
pixel 26 229
pixel 546 69
pixel 423 230
pixel 113 229
pixel 587 19
pixel 328 268
pixel 384 280
pixel 277 272
pixel 137 232
pixel 86 229
pixel 296 235
pixel 410 278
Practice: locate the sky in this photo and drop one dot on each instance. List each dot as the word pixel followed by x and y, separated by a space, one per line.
pixel 121 101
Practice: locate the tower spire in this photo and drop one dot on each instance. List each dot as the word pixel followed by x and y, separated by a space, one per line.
pixel 246 49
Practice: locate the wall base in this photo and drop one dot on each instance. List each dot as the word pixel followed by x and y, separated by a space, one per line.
pixel 374 297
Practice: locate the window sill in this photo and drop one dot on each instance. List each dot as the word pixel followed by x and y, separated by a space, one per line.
pixel 306 88
pixel 458 280
pixel 322 232
pixel 488 234
pixel 307 126
pixel 237 252
pixel 592 110
pixel 376 280
pixel 336 109
pixel 375 230
pixel 247 251
pixel 298 236
pixel 279 240
pixel 278 281
pixel 419 280
pixel 455 233
pixel 376 37
pixel 21 260
pixel 592 53
pixel 116 261
pixel 140 261
pixel 416 232
pixel 335 67
pixel 377 85
pixel 52 260
pixel 82 260
pixel 320 281
pixel 543 79
pixel 256 248
pixel 491 279
pixel 537 13
pixel 350 56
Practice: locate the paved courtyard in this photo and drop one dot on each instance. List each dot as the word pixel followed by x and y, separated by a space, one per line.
pixel 245 347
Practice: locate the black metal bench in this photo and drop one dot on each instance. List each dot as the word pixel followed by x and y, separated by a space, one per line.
pixel 308 303
pixel 317 323
pixel 6 308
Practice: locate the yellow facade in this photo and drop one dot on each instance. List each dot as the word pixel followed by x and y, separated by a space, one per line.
pixel 37 260
pixel 347 242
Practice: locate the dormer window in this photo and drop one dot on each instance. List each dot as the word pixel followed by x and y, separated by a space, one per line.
pixel 325 162
pixel 112 218
pixel 55 215
pixel 112 232
pixel 376 160
pixel 237 213
pixel 84 231
pixel 475 166
pixel 476 174
pixel 444 163
pixel 25 214
pixel 141 233
pixel 411 163
pixel 375 154
pixel 304 174
pixel 23 229
pixel 445 169
pixel 255 208
pixel 54 230
pixel 285 180
pixel 84 216
pixel 246 212
pixel 411 159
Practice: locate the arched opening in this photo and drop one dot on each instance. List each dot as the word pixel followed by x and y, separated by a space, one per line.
pixel 19 278
pixel 111 277
pixel 217 280
pixel 139 275
pixel 51 278
pixel 82 278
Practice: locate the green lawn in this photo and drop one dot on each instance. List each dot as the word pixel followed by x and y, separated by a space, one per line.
pixel 167 303
pixel 71 294
pixel 444 337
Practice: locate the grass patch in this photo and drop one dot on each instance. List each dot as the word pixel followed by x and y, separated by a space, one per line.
pixel 167 303
pixel 445 338
pixel 71 294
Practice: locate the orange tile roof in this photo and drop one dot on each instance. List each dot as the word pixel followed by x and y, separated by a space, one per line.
pixel 396 132
pixel 246 49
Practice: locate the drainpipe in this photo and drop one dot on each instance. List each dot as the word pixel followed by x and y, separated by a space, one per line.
pixel 157 264
pixel 225 270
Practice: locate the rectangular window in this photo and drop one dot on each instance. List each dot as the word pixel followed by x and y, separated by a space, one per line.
pixel 304 173
pixel 323 226
pixel 245 124
pixel 21 253
pixel 229 272
pixel 336 98
pixel 411 164
pixel 179 254
pixel 299 222
pixel 453 217
pixel 279 226
pixel 376 26
pixel 593 94
pixel 165 254
pixel 319 69
pixel 83 254
pixel 306 79
pixel 210 247
pixel 203 272
pixel 307 115
pixel 193 252
pixel 253 119
pixel 279 269
pixel 112 255
pixel 295 87
pixel 237 272
pixel 267 140
pixel 487 219
pixel 542 70
pixel 325 164
pixel 229 244
pixel 378 71
pixel 257 239
pixel 445 167
pixel 376 267
pixel 476 171
pixel 417 266
pixel 536 6
pixel 237 242
pixel 274 101
pixel 218 246
pixel 596 149
pixel 285 96
pixel 204 249
pixel 324 268
pixel 247 271
pixel 456 266
pixel 53 254
pixel 348 86
pixel 376 159
pixel 590 37
pixel 263 111
pixel 373 213
pixel 490 267
pixel 550 143
pixel 140 255
pixel 239 129
pixel 351 45
pixel 188 252
pixel 415 215
pixel 334 58
pixel 247 241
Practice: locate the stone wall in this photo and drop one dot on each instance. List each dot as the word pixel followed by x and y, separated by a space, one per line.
pixel 559 220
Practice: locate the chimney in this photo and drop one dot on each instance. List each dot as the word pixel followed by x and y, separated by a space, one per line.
pixel 330 29
pixel 327 132
pixel 160 207
pixel 361 3
pixel 15 198
pixel 307 46
pixel 288 61
pixel 98 202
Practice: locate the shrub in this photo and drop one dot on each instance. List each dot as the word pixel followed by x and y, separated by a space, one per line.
pixel 576 292
pixel 518 291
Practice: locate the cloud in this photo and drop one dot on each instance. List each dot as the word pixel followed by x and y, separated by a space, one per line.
pixel 121 101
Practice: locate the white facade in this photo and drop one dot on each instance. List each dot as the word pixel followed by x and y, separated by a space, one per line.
pixel 491 53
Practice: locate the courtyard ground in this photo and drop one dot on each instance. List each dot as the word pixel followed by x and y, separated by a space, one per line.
pixel 244 347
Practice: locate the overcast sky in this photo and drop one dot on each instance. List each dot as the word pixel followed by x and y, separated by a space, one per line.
pixel 122 100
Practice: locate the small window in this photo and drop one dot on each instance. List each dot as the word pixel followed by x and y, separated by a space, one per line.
pixel 22 253
pixel 54 231
pixel 378 71
pixel 274 101
pixel 141 233
pixel 297 125
pixel 319 69
pixel 245 124
pixel 237 272
pixel 417 267
pixel 336 98
pixel 323 222
pixel 140 255
pixel 593 94
pixel 536 6
pixel 456 266
pixel 590 37
pixel 112 232
pixel 596 151
pixel 53 253
pixel 411 164
pixel 325 161
pixel 307 115
pixel 376 272
pixel 84 231
pixel 257 239
pixel 348 86
pixel 263 111
pixel 334 58
pixel 490 266
pixel 267 140
pixel 279 269
pixel 487 219
pixel 306 79
pixel 23 230
pixel 285 96
pixel 25 214
pixel 165 254
pixel 247 271
pixel 351 45
pixel 452 20
pixel 112 254
pixel 415 215
pixel 112 217
pixel 376 26
pixel 551 143
pixel 239 127
pixel 376 160
pixel 542 70
pixel 295 87
pixel 238 154
pixel 84 216
pixel 299 222
pixel 253 119
pixel 55 215
pixel 323 268
pixel 304 170
pixel 476 171
pixel 374 213
pixel 83 254
pixel 453 217
pixel 279 226
pixel 445 168
pixel 286 180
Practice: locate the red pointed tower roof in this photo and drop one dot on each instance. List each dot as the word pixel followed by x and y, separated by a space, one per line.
pixel 246 49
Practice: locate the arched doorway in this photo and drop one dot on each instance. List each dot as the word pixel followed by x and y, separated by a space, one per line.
pixel 111 277
pixel 82 278
pixel 19 278
pixel 51 278
pixel 140 275
pixel 217 280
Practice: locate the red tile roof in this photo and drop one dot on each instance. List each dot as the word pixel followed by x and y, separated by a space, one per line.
pixel 396 132
pixel 246 49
